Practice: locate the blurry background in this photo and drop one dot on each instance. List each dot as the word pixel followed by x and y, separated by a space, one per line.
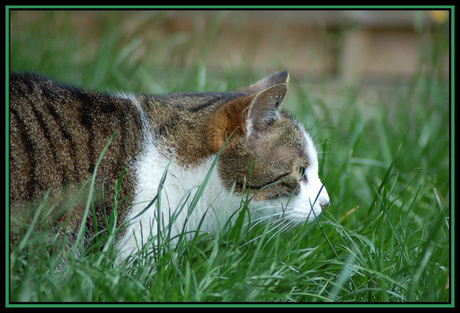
pixel 352 46
pixel 374 46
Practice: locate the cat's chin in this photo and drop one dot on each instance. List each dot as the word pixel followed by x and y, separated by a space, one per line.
pixel 304 207
pixel 299 215
pixel 308 209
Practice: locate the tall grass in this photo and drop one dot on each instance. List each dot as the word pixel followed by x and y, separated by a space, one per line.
pixel 385 163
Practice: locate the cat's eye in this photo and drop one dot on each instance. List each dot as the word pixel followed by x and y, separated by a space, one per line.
pixel 301 172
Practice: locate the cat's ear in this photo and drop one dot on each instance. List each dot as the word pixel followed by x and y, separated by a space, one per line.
pixel 264 108
pixel 274 79
pixel 245 115
pixel 229 120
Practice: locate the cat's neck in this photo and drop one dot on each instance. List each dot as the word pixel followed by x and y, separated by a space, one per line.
pixel 178 123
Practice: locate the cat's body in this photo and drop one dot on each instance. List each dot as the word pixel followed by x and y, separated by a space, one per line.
pixel 57 133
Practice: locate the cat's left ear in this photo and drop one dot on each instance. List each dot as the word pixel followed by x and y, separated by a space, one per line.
pixel 269 81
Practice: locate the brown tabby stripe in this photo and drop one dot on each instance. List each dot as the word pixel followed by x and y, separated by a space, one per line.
pixel 57 133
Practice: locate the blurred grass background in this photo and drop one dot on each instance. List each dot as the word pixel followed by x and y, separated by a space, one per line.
pixel 373 88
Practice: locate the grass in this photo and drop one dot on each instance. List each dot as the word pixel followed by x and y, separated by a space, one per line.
pixel 385 163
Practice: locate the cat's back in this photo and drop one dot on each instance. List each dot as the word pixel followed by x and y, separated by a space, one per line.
pixel 57 133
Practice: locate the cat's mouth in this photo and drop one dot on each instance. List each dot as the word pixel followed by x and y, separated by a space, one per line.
pixel 325 205
pixel 308 208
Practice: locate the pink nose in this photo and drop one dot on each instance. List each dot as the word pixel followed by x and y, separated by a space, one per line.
pixel 324 206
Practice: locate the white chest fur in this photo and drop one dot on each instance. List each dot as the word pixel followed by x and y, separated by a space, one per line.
pixel 177 206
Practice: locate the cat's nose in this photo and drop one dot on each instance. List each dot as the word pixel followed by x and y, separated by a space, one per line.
pixel 323 198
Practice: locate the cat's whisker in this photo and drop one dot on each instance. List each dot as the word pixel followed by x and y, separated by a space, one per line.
pixel 272 228
pixel 262 219
pixel 279 231
pixel 274 207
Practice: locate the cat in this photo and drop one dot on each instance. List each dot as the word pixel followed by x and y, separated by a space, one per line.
pixel 164 147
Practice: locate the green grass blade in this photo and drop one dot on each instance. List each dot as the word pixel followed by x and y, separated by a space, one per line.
pixel 89 201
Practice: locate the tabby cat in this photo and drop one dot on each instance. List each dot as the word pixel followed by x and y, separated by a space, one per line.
pixel 161 151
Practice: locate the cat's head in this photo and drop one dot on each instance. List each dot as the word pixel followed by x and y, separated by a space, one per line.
pixel 268 154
